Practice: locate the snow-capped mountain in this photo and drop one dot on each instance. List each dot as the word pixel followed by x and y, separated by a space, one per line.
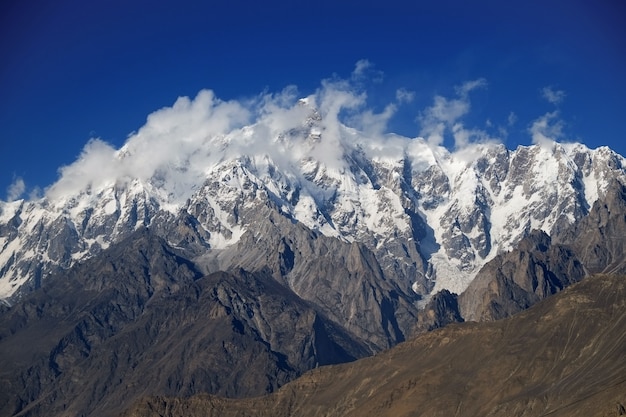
pixel 432 217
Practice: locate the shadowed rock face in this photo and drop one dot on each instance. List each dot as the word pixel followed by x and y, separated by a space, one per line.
pixel 563 357
pixel 516 280
pixel 599 239
pixel 343 280
pixel 441 310
pixel 142 320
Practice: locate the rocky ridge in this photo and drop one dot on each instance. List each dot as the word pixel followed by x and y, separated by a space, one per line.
pixel 431 218
pixel 542 265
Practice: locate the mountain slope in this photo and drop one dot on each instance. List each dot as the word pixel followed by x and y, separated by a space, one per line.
pixel 562 357
pixel 344 280
pixel 516 280
pixel 598 239
pixel 140 320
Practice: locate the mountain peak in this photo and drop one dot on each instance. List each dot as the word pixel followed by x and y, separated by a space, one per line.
pixel 445 212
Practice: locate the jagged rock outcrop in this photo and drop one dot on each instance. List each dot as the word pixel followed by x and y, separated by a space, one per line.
pixel 441 310
pixel 514 281
pixel 46 336
pixel 541 266
pixel 599 239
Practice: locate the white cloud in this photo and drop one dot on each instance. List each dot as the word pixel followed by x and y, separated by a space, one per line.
pixel 373 124
pixel 404 96
pixel 16 189
pixel 179 144
pixel 464 137
pixel 35 194
pixel 361 67
pixel 364 71
pixel 547 129
pixel 553 96
pixel 464 89
pixel 95 166
pixel 445 114
pixel 172 143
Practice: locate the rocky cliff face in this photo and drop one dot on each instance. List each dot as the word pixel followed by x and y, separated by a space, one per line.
pixel 598 239
pixel 541 266
pixel 441 310
pixel 514 281
pixel 345 280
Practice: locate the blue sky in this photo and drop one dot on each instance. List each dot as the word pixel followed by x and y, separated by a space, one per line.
pixel 72 70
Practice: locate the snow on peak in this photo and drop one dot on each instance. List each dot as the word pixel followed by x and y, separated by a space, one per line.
pixel 215 159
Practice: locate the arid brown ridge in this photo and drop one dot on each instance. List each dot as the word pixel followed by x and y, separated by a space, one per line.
pixel 566 356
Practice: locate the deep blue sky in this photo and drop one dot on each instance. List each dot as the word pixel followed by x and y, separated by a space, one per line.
pixel 74 69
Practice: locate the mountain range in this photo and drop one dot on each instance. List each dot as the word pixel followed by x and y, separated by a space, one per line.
pixel 255 255
pixel 431 217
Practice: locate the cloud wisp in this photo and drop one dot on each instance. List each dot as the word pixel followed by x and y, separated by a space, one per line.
pixel 547 129
pixel 511 119
pixel 16 189
pixel 179 144
pixel 553 96
pixel 445 117
pixel 404 96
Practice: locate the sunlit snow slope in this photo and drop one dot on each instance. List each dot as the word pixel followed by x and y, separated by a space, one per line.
pixel 196 171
